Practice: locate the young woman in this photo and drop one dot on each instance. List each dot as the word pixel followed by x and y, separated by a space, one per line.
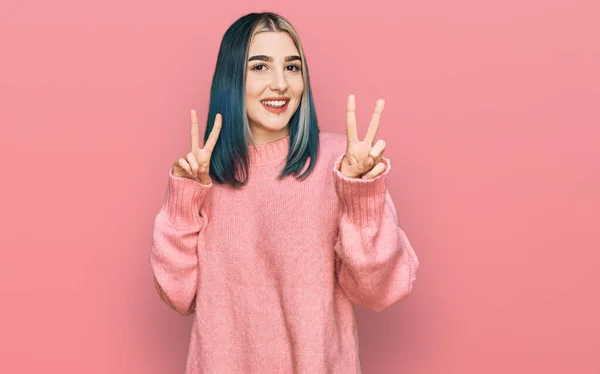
pixel 272 230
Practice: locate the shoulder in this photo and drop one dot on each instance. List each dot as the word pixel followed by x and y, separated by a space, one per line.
pixel 332 144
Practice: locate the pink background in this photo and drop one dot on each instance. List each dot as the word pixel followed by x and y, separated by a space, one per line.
pixel 492 122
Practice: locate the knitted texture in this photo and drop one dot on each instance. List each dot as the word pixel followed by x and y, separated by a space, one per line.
pixel 271 271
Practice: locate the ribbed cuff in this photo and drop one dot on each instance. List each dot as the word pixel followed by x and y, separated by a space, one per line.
pixel 361 199
pixel 183 199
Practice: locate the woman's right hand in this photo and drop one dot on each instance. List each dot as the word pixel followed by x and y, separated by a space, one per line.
pixel 196 164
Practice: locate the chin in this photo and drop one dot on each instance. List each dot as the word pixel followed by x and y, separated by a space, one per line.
pixel 274 129
pixel 273 122
pixel 269 121
pixel 277 125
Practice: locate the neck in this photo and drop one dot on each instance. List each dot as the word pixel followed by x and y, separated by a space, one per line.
pixel 268 153
pixel 262 136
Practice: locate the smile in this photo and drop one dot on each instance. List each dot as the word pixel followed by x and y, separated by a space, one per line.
pixel 275 106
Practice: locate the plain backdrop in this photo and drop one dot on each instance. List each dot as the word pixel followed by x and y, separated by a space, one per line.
pixel 492 124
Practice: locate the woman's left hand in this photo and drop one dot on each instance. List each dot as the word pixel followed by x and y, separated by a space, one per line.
pixel 362 159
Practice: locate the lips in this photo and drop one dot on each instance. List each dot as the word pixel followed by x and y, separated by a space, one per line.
pixel 276 110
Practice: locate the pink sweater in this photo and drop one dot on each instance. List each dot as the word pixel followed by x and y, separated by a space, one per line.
pixel 271 271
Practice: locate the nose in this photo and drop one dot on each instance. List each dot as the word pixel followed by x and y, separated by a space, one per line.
pixel 279 81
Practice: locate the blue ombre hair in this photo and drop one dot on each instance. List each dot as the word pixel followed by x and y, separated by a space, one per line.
pixel 230 157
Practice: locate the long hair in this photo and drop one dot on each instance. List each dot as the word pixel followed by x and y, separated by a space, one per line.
pixel 230 157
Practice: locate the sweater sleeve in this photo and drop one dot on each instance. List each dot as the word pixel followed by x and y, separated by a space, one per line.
pixel 375 263
pixel 174 257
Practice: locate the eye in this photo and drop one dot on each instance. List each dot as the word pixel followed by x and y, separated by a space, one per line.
pixel 260 64
pixel 263 67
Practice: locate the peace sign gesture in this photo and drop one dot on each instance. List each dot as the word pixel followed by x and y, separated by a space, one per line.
pixel 362 159
pixel 196 164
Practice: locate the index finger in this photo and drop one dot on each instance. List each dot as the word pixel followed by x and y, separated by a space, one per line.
pixel 194 133
pixel 214 133
pixel 351 132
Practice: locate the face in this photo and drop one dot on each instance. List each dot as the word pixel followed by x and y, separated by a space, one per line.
pixel 273 78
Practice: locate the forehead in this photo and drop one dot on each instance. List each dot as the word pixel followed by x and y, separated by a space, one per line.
pixel 271 43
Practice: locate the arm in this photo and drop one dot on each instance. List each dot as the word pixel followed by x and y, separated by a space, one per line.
pixel 376 264
pixel 174 257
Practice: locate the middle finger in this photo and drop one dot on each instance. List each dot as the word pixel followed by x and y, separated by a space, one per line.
pixel 193 164
pixel 374 123
pixel 194 131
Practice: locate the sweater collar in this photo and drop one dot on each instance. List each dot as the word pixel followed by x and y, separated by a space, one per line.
pixel 269 153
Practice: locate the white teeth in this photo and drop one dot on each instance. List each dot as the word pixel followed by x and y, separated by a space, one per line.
pixel 278 103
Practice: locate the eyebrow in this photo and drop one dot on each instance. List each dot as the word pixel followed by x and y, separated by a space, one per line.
pixel 270 59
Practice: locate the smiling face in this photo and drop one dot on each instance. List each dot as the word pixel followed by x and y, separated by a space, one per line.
pixel 273 78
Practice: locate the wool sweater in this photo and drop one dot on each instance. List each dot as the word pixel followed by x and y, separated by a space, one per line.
pixel 271 271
